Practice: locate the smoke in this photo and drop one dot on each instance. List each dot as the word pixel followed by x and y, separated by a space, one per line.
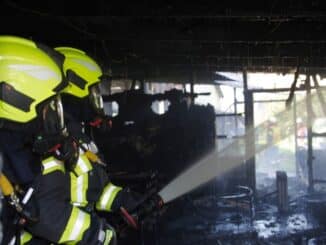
pixel 217 164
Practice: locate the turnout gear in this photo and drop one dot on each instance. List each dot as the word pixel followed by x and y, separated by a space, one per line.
pixel 30 78
pixel 73 224
pixel 83 101
pixel 90 185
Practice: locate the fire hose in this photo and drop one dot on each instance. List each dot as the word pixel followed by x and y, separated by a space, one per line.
pixel 145 206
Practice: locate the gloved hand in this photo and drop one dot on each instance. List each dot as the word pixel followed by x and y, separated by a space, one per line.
pixel 142 210
pixel 126 198
pixel 154 203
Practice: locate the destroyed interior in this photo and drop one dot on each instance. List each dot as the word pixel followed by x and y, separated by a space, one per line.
pixel 163 123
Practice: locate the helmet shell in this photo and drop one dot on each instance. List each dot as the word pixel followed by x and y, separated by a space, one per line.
pixel 79 66
pixel 28 76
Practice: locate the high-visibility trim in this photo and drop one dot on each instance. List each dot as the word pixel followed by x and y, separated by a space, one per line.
pixel 108 195
pixel 25 237
pixel 83 165
pixel 12 241
pixel 78 223
pixel 78 189
pixel 108 237
pixel 52 164
pixel 101 236
pixel 81 151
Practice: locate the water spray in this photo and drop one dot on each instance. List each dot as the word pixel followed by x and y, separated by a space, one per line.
pixel 217 164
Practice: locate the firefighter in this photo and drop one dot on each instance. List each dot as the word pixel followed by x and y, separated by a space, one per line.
pixel 37 145
pixel 83 106
pixel 82 98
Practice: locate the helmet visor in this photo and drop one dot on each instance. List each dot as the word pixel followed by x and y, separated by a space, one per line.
pixel 96 98
pixel 53 118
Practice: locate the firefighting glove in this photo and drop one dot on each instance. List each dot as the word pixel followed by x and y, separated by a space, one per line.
pixel 142 211
pixel 152 205
pixel 125 198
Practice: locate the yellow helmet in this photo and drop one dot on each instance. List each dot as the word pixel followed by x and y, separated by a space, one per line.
pixel 28 77
pixel 81 71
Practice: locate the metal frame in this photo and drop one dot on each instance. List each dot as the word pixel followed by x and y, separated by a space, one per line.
pixel 249 113
pixel 250 134
pixel 249 124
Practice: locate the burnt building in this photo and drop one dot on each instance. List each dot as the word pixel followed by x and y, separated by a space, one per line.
pixel 192 84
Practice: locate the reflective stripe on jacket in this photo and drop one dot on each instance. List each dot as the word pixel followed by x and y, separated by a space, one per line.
pixel 52 164
pixel 107 197
pixel 78 223
pixel 79 181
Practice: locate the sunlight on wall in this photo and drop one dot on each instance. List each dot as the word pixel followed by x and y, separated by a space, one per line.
pixel 271 80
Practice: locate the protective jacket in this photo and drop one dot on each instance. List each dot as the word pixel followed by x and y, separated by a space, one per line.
pixel 61 219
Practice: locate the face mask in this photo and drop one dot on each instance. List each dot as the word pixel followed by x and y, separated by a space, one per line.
pixel 52 115
pixel 96 99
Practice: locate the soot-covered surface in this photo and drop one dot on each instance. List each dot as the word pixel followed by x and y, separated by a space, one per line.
pixel 207 220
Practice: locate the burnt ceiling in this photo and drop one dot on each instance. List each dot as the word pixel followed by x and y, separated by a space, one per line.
pixel 179 40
